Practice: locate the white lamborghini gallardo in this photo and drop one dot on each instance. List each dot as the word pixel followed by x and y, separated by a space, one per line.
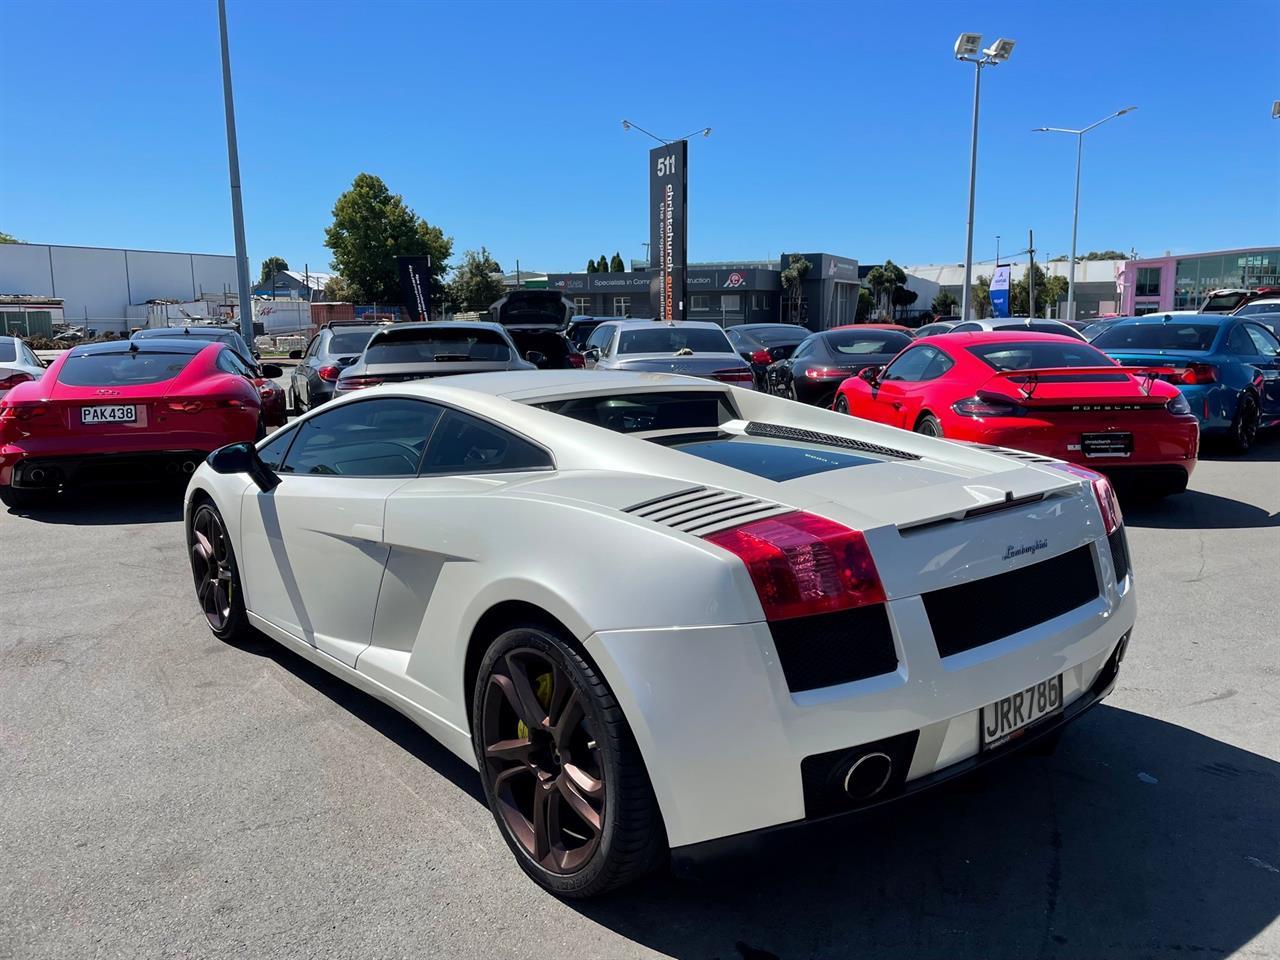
pixel 657 612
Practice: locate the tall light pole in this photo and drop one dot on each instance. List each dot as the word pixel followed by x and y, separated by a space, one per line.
pixel 1075 213
pixel 967 49
pixel 237 208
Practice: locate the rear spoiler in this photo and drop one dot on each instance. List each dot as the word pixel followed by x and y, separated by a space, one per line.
pixel 1148 375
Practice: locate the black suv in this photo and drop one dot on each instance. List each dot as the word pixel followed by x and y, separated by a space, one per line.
pixel 337 346
pixel 536 320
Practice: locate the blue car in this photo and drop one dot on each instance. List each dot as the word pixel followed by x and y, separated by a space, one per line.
pixel 1228 368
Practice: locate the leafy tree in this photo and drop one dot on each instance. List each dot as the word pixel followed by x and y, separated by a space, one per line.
pixel 793 282
pixel 616 265
pixel 884 280
pixel 1105 255
pixel 1049 289
pixel 980 297
pixel 477 283
pixel 371 227
pixel 337 290
pixel 902 297
pixel 270 267
pixel 591 266
pixel 602 265
pixel 865 304
pixel 944 304
pixel 8 238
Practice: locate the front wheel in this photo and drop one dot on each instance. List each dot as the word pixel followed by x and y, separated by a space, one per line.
pixel 561 770
pixel 216 576
pixel 1244 426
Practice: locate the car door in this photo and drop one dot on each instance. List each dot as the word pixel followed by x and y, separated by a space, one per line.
pixel 303 373
pixel 781 373
pixel 313 547
pixel 595 345
pixel 1268 362
pixel 897 397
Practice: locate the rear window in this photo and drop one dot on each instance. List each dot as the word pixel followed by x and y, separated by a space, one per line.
pixel 1060 329
pixel 636 412
pixel 350 342
pixel 1260 306
pixel 8 352
pixel 778 461
pixel 1158 336
pixel 856 342
pixel 1037 355
pixel 674 340
pixel 775 335
pixel 1222 303
pixel 438 346
pixel 126 369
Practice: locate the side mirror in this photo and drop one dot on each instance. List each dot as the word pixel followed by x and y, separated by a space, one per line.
pixel 870 374
pixel 243 458
pixel 272 370
pixel 295 354
pixel 592 353
pixel 536 357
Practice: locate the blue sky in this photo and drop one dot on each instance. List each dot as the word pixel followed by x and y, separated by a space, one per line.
pixel 838 127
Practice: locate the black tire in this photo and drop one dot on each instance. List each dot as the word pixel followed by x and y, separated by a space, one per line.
pixel 16 499
pixel 929 426
pixel 261 432
pixel 613 814
pixel 216 575
pixel 1244 425
pixel 791 392
pixel 842 405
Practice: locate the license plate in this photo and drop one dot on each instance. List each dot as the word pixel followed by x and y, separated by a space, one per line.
pixel 117 413
pixel 1007 718
pixel 1106 444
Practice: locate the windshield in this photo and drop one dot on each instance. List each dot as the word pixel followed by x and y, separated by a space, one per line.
pixel 1158 336
pixel 125 369
pixel 438 346
pixel 634 412
pixel 856 342
pixel 1222 303
pixel 674 340
pixel 353 341
pixel 1037 355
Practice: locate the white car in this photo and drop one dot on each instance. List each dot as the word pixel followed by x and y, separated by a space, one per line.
pixel 18 364
pixel 657 612
pixel 695 348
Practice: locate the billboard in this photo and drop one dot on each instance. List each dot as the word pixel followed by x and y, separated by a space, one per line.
pixel 1000 292
pixel 668 237
pixel 415 273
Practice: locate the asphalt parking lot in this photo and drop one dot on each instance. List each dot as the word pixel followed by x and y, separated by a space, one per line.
pixel 164 794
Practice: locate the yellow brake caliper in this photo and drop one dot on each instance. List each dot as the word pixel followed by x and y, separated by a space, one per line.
pixel 541 690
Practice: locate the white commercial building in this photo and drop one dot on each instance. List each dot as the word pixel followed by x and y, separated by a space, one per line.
pixel 1096 282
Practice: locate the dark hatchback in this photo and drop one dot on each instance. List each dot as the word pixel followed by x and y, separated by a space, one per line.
pixel 761 344
pixel 535 320
pixel 334 348
pixel 824 360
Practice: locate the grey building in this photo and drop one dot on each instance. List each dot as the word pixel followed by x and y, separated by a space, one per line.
pixel 295 284
pixel 729 293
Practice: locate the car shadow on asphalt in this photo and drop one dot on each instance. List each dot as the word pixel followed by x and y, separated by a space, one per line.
pixel 109 505
pixel 1195 510
pixel 1265 449
pixel 1138 839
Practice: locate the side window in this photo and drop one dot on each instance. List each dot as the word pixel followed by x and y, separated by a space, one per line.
pixel 272 452
pixel 968 327
pixel 228 362
pixel 597 338
pixel 911 365
pixel 1267 345
pixel 383 437
pixel 1240 343
pixel 805 348
pixel 28 357
pixel 313 347
pixel 939 365
pixel 467 444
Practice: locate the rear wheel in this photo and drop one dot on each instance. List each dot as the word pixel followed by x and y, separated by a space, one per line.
pixel 216 576
pixel 561 770
pixel 929 425
pixel 1244 426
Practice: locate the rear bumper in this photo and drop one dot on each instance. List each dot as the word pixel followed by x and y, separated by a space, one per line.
pixel 727 744
pixel 44 472
pixel 1167 442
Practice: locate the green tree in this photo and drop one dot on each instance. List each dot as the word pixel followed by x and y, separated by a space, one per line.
pixel 1049 289
pixel 884 280
pixel 616 265
pixel 1105 255
pixel 944 304
pixel 980 298
pixel 477 282
pixel 371 227
pixel 591 266
pixel 602 265
pixel 793 282
pixel 8 238
pixel 902 297
pixel 865 304
pixel 337 290
pixel 270 267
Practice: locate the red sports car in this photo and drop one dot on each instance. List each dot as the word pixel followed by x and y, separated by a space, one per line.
pixel 130 408
pixel 1038 392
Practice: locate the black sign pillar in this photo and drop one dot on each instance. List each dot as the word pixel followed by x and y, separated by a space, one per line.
pixel 415 287
pixel 668 229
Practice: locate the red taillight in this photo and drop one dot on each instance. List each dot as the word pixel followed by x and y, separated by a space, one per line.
pixel 358 383
pixel 11 381
pixel 329 374
pixel 577 361
pixel 184 406
pixel 1103 492
pixel 803 564
pixel 15 417
pixel 1197 373
pixel 761 356
pixel 734 376
pixel 826 373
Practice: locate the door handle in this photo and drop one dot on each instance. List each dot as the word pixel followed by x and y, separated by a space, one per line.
pixel 897 404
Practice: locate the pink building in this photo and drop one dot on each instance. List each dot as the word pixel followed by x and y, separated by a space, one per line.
pixel 1181 282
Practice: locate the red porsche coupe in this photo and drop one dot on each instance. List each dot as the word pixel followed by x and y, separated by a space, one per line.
pixel 129 409
pixel 1042 393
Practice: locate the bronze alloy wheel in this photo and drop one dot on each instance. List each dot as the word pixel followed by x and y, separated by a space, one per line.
pixel 211 567
pixel 542 760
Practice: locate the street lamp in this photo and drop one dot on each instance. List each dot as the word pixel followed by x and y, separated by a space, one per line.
pixel 628 125
pixel 967 48
pixel 1075 214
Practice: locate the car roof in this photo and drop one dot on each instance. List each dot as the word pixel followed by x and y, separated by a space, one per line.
pixel 999 336
pixel 1211 318
pixel 442 325
pixel 179 332
pixel 523 384
pixel 155 345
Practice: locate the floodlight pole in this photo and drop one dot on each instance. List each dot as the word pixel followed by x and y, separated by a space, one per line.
pixel 973 175
pixel 237 207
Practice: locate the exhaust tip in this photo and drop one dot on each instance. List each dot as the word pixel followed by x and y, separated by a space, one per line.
pixel 37 475
pixel 188 466
pixel 171 467
pixel 868 775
